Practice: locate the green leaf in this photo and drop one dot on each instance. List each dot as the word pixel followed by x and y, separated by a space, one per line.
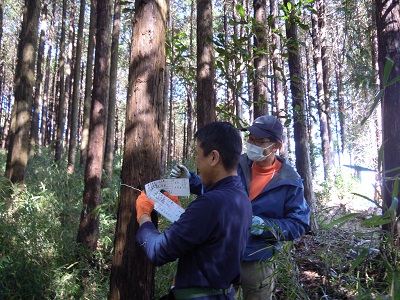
pixel 387 70
pixel 240 10
pixel 395 192
pixel 378 98
pixel 366 198
pixel 304 26
pixel 394 80
pixel 375 221
pixel 341 220
pixel 380 158
pixel 360 258
pixel 386 218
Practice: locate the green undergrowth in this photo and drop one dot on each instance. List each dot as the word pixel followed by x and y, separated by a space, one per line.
pixel 348 257
pixel 38 230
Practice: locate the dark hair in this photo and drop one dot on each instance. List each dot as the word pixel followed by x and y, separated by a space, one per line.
pixel 223 137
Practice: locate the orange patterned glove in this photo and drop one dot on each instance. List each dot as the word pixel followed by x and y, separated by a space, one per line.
pixel 173 198
pixel 143 205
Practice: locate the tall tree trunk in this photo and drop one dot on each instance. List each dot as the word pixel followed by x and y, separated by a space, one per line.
pixel 170 86
pixel 323 123
pixel 46 115
pixel 261 60
pixel 37 100
pixel 69 68
pixel 250 73
pixel 89 224
pixel 88 82
pixel 309 106
pixel 278 78
pixel 76 91
pixel 189 89
pixel 236 95
pixel 110 140
pixel 378 110
pixel 206 98
pixel 17 157
pixel 299 126
pixel 61 100
pixel 1 25
pixel 132 275
pixel 165 122
pixel 388 28
pixel 55 87
pixel 325 74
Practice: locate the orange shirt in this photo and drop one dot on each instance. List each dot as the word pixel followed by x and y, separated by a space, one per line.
pixel 260 176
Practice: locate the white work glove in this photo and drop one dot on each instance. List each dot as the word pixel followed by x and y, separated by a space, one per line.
pixel 180 171
pixel 257 225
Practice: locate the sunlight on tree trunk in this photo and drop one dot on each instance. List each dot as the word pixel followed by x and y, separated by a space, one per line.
pixel 17 157
pixel 110 140
pixel 61 101
pixel 88 83
pixel 132 275
pixel 76 92
pixel 89 223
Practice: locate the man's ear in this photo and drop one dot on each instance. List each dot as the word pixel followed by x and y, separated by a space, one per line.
pixel 214 157
pixel 277 146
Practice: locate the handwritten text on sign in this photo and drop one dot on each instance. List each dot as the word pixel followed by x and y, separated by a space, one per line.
pixel 165 206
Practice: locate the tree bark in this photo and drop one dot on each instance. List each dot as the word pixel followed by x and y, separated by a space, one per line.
pixel 37 100
pixel 69 70
pixel 61 101
pixel 17 157
pixel 110 140
pixel 76 91
pixel 132 275
pixel 88 82
pixel 89 224
pixel 323 123
pixel 46 113
pixel 206 98
pixel 388 28
pixel 260 97
pixel 326 75
pixel 279 97
pixel 299 126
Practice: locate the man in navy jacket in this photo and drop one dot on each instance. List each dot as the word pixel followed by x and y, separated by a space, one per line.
pixel 280 211
pixel 210 236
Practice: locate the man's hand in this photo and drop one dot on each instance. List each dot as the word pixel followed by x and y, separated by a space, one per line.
pixel 257 225
pixel 173 198
pixel 143 205
pixel 180 171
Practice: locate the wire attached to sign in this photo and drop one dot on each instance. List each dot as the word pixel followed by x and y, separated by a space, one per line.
pixel 131 187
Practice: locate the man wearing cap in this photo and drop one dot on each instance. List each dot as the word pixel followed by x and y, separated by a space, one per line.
pixel 280 211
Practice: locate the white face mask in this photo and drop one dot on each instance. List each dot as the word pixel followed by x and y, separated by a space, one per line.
pixel 256 153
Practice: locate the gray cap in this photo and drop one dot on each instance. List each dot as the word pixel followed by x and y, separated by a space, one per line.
pixel 266 127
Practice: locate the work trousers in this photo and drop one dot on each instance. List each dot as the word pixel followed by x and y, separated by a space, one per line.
pixel 258 280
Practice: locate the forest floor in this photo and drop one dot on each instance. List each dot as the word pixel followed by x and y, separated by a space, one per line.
pixel 324 260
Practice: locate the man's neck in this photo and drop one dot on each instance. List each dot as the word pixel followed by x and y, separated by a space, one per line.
pixel 269 161
pixel 221 174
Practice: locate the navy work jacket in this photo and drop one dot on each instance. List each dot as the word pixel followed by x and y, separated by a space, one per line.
pixel 209 238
